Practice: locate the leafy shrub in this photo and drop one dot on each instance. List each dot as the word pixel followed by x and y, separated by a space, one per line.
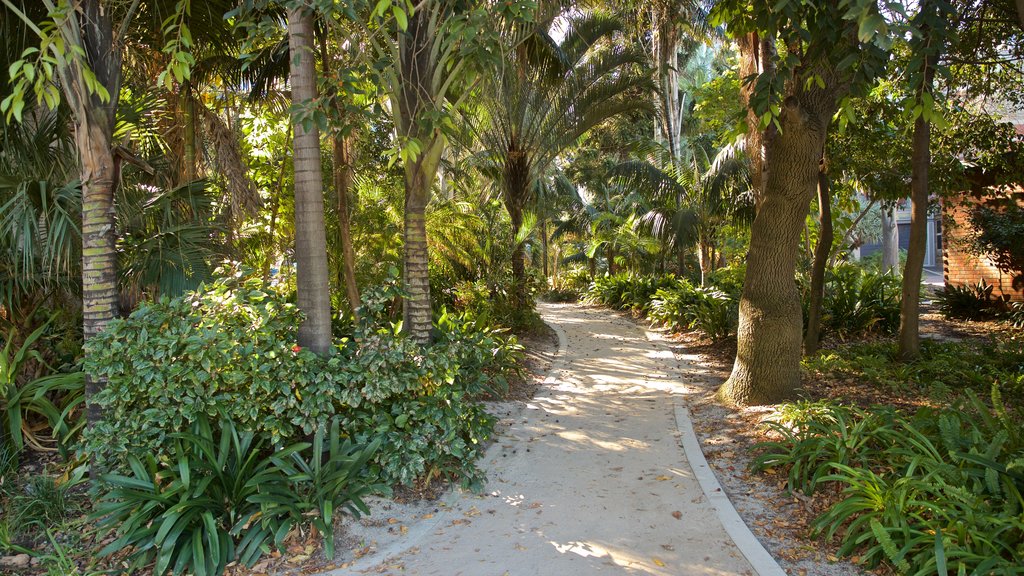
pixel 226 352
pixel 487 358
pixel 715 313
pixel 729 280
pixel 51 397
pixel 938 490
pixel 229 353
pixel 707 309
pixel 859 302
pixel 1016 315
pixel 219 498
pixel 574 280
pixel 967 302
pixel 498 303
pixel 670 306
pixel 413 401
pixel 628 292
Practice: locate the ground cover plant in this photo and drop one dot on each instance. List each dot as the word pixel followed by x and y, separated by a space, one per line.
pixel 927 492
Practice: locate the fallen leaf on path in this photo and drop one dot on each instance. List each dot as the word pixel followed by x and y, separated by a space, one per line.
pixel 677 515
pixel 658 561
pixel 662 478
pixel 426 516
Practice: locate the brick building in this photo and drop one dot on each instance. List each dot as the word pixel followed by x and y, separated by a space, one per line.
pixel 960 267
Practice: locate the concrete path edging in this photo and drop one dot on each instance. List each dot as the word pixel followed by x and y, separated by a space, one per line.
pixel 749 545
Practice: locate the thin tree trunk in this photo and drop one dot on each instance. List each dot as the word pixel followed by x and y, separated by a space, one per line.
pixel 515 214
pixel 94 125
pixel 769 336
pixel 611 259
pixel 312 277
pixel 188 119
pixel 544 246
pixel 592 264
pixel 821 254
pixel 343 179
pixel 704 257
pixel 909 338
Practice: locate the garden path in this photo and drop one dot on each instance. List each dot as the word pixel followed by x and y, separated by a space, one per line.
pixel 592 477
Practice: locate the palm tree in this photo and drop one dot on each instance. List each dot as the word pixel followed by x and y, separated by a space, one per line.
pixel 545 99
pixel 314 297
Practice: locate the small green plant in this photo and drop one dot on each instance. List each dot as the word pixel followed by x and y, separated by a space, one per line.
pixel 220 498
pixel 937 491
pixel 1015 316
pixel 37 398
pixel 968 302
pixel 330 478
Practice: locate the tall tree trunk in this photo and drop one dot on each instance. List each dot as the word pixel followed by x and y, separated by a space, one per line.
pixel 99 255
pixel 515 213
pixel 611 259
pixel 890 240
pixel 416 305
pixel 343 179
pixel 592 266
pixel 544 246
pixel 312 278
pixel 188 118
pixel 909 338
pixel 769 336
pixel 94 126
pixel 821 253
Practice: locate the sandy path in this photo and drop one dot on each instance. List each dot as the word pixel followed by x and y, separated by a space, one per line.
pixel 590 479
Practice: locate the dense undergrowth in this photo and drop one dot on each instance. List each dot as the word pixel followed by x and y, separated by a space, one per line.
pixel 221 436
pixel 857 301
pixel 930 490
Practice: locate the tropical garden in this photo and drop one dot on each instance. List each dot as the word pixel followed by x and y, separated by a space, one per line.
pixel 263 259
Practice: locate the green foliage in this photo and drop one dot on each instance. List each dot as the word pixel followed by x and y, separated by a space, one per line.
pixel 1016 315
pixel 51 397
pixel 939 488
pixel 415 401
pixel 228 351
pixel 944 367
pixel 628 291
pixel 488 358
pixel 497 303
pixel 858 302
pixel 219 498
pixel 967 302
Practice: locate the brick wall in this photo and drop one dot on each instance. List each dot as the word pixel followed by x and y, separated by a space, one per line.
pixel 961 267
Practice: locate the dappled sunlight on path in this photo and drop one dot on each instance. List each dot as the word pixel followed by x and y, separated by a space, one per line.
pixel 589 479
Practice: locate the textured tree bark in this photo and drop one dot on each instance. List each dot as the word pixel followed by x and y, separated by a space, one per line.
pixel 343 179
pixel 756 57
pixel 821 254
pixel 769 336
pixel 99 255
pixel 94 125
pixel 909 338
pixel 312 276
pixel 188 118
pixel 416 305
pixel 890 240
pixel 515 213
